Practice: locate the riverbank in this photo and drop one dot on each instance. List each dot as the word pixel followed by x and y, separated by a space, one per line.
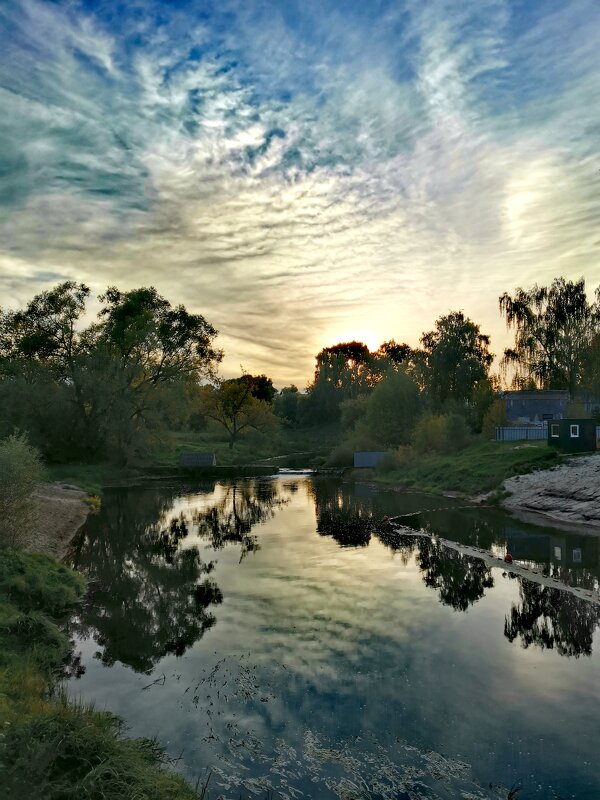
pixel 60 513
pixel 568 494
pixel 49 747
pixel 479 469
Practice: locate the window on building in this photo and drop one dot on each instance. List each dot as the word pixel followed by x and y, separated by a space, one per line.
pixel 574 431
pixel 557 553
pixel 577 555
pixel 554 431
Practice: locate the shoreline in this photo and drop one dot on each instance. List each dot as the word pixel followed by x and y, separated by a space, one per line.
pixel 568 495
pixel 60 512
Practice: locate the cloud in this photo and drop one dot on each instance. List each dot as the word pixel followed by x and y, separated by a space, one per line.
pixel 293 171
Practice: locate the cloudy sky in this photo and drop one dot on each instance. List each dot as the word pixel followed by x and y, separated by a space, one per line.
pixel 301 171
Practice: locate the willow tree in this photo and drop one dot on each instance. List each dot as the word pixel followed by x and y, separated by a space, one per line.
pixel 554 327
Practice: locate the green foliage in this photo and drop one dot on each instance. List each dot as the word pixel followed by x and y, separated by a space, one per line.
pixel 35 582
pixel 58 750
pixel 20 472
pixel 342 372
pixel 392 410
pixel 233 406
pixel 441 433
pixel 67 753
pixel 554 329
pixel 286 405
pixel 480 467
pixel 495 416
pixel 454 359
pixel 109 391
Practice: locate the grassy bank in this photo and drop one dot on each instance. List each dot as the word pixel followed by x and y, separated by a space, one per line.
pixel 480 467
pixel 50 748
pixel 286 448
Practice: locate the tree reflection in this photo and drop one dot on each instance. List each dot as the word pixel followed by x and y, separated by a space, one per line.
pixel 149 594
pixel 552 619
pixel 460 580
pixel 341 515
pixel 239 509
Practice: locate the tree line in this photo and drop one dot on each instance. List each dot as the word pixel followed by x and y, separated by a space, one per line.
pixel 114 388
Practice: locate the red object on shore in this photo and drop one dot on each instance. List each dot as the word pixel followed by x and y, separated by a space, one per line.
pixel 508 558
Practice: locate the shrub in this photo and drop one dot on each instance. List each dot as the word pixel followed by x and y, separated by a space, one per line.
pixel 20 472
pixel 494 417
pixel 442 433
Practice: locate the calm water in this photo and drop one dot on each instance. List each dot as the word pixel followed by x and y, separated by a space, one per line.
pixel 264 631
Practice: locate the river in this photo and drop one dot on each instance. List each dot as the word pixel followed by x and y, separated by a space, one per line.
pixel 265 632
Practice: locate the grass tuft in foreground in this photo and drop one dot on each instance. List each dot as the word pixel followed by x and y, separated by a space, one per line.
pixel 50 748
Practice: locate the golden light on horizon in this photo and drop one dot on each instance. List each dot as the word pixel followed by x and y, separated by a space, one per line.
pixel 365 335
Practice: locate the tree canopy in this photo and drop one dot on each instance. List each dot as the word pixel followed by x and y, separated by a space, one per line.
pixel 454 359
pixel 106 390
pixel 554 328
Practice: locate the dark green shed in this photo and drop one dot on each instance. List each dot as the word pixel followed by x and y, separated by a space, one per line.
pixel 572 435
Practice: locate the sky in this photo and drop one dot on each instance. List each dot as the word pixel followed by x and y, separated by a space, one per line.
pixel 301 172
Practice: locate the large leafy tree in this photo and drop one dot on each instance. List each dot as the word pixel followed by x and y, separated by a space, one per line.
pixel 233 405
pixel 455 358
pixel 342 372
pixel 104 390
pixel 554 326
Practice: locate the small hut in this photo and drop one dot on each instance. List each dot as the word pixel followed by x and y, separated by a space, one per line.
pixel 367 459
pixel 196 460
pixel 573 435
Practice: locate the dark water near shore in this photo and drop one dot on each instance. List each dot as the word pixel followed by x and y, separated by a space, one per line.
pixel 265 630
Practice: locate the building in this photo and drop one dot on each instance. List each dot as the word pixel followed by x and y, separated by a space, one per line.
pixel 367 459
pixel 195 460
pixel 573 435
pixel 528 407
pixel 536 406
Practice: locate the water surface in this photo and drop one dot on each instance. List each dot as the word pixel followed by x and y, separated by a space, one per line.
pixel 265 630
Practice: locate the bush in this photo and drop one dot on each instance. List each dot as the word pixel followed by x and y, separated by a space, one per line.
pixel 494 417
pixel 442 433
pixel 20 473
pixel 396 459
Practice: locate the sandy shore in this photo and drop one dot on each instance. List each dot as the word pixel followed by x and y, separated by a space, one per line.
pixel 568 494
pixel 60 513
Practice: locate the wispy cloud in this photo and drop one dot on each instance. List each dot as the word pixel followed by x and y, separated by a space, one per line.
pixel 300 172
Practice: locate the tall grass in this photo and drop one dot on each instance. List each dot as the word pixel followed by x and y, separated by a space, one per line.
pixel 51 748
pixel 21 471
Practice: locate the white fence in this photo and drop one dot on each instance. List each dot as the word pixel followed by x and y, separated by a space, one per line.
pixel 525 433
pixel 521 433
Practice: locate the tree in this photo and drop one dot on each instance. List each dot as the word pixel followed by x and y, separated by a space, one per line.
pixel 107 390
pixel 392 409
pixel 232 405
pixel 343 371
pixel 454 359
pixel 261 387
pixel 286 405
pixel 554 327
pixel 393 352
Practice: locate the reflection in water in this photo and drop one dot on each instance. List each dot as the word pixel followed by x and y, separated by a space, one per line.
pixel 547 617
pixel 551 619
pixel 459 579
pixel 349 523
pixel 333 672
pixel 240 507
pixel 150 594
